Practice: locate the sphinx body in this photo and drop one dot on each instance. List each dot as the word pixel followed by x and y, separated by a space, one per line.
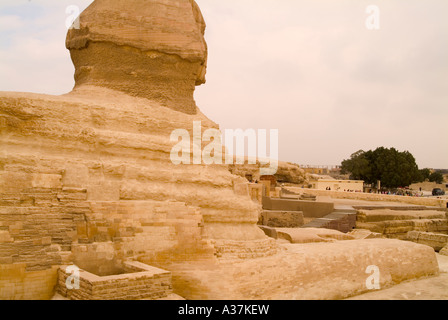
pixel 86 177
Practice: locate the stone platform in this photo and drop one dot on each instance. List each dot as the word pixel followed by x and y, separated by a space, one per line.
pixel 335 270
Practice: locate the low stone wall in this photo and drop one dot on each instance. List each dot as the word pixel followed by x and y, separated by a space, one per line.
pixel 310 209
pixel 231 249
pixel 37 228
pixel 422 201
pixel 377 215
pixel 397 223
pixel 142 282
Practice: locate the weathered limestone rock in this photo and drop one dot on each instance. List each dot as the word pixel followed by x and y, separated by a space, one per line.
pixel 152 49
pixel 269 231
pixel 436 241
pixel 282 219
pixel 320 271
pixel 364 234
pixel 286 172
pixel 307 235
pixel 307 197
pixel 444 251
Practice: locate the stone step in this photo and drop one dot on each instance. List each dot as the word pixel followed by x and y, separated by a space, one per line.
pixel 345 209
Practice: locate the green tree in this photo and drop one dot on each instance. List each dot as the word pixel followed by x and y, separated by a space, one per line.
pixel 424 173
pixel 393 168
pixel 358 166
pixel 436 177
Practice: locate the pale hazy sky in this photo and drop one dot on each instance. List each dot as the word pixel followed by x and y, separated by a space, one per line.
pixel 309 68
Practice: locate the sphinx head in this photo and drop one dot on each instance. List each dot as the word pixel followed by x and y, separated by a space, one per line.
pixel 145 48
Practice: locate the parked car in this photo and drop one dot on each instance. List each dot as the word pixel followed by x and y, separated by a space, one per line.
pixel 438 192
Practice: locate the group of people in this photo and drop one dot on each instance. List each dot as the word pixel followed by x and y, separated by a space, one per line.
pixel 401 192
pixel 345 190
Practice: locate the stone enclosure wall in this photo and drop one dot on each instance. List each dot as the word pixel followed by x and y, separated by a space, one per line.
pixel 140 282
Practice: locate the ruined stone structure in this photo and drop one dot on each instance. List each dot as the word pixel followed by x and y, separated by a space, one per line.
pixel 398 222
pixel 86 179
pixel 286 172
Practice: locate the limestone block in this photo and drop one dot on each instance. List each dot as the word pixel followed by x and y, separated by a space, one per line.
pixel 436 241
pixel 310 271
pixel 397 223
pixel 282 219
pixel 286 172
pixel 5 237
pixel 239 250
pixel 75 176
pixel 241 189
pixel 388 215
pixel 444 251
pixel 270 232
pixel 46 181
pixel 19 181
pixel 103 191
pixel 18 284
pixel 307 235
pixel 364 234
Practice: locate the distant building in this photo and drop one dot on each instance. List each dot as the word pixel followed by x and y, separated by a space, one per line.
pixel 312 169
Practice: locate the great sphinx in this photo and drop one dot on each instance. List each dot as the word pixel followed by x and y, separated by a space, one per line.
pixel 86 177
